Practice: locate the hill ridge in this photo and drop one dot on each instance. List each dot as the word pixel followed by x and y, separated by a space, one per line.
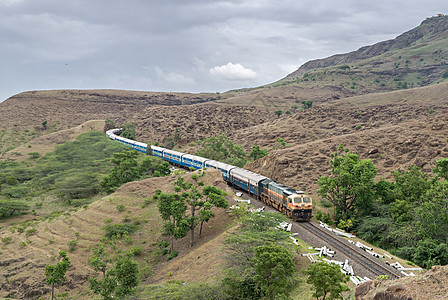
pixel 431 27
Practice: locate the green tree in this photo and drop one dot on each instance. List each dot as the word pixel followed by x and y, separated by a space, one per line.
pixel 278 113
pixel 77 185
pixel 221 148
pixel 116 282
pixel 55 274
pixel 44 125
pixel 110 124
pixel 426 253
pixel 351 184
pixel 274 269
pixel 280 143
pixel 198 200
pixel 172 210
pixel 214 197
pixel 254 230
pixel 10 207
pixel 433 213
pixel 411 184
pixel 125 170
pixel 441 168
pixel 307 104
pixel 327 281
pixel 154 166
pixel 128 130
pixel 257 153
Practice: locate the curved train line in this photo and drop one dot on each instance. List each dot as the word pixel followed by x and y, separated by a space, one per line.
pixel 295 204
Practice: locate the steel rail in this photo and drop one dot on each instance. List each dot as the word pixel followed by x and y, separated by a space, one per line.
pixel 370 263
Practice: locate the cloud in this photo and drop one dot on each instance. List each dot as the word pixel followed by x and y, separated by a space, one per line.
pixel 9 2
pixel 173 77
pixel 233 72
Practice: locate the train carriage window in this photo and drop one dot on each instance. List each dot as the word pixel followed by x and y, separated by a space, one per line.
pixel 307 200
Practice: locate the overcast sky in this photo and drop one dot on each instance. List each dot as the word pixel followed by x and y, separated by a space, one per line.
pixel 185 45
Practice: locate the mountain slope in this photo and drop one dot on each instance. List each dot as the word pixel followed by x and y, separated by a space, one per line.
pixel 432 30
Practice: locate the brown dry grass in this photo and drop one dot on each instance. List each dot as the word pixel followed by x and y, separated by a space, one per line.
pixel 47 143
pixel 23 261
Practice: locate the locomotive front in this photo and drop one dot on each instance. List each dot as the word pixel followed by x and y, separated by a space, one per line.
pixel 300 206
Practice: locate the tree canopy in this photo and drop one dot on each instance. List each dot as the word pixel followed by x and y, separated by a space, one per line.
pixel 55 274
pixel 327 280
pixel 221 148
pixel 351 186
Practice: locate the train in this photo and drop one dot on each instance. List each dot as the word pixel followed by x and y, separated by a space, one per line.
pixel 293 203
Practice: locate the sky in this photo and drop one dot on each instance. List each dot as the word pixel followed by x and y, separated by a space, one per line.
pixel 185 45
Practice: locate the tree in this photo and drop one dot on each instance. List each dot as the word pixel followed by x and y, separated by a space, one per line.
pixel 44 125
pixel 327 280
pixel 257 153
pixel 154 166
pixel 433 213
pixel 441 168
pixel 172 210
pixel 255 229
pixel 278 113
pixel 274 269
pixel 10 207
pixel 55 274
pixel 214 197
pixel 125 170
pixel 194 198
pixel 280 143
pixel 128 130
pixel 307 104
pixel 221 148
pixel 116 282
pixel 411 184
pixel 351 184
pixel 110 124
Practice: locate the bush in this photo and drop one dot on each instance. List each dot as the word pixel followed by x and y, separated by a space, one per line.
pixel 7 240
pixel 72 245
pixel 31 232
pixel 136 251
pixel 327 219
pixel 119 230
pixel 121 208
pixel 172 255
pixel 445 75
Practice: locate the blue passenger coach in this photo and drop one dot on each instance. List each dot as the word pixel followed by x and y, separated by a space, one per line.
pixel 197 162
pixel 247 180
pixel 157 151
pixel 172 156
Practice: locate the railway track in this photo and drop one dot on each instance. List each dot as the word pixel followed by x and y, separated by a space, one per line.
pixel 361 257
pixel 365 263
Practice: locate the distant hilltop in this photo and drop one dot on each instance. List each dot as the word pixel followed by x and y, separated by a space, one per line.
pixel 430 31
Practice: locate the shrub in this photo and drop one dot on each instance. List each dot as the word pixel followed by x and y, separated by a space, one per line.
pixel 136 251
pixel 34 155
pixel 7 240
pixel 172 255
pixel 445 75
pixel 327 219
pixel 31 231
pixel 121 207
pixel 119 230
pixel 72 245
